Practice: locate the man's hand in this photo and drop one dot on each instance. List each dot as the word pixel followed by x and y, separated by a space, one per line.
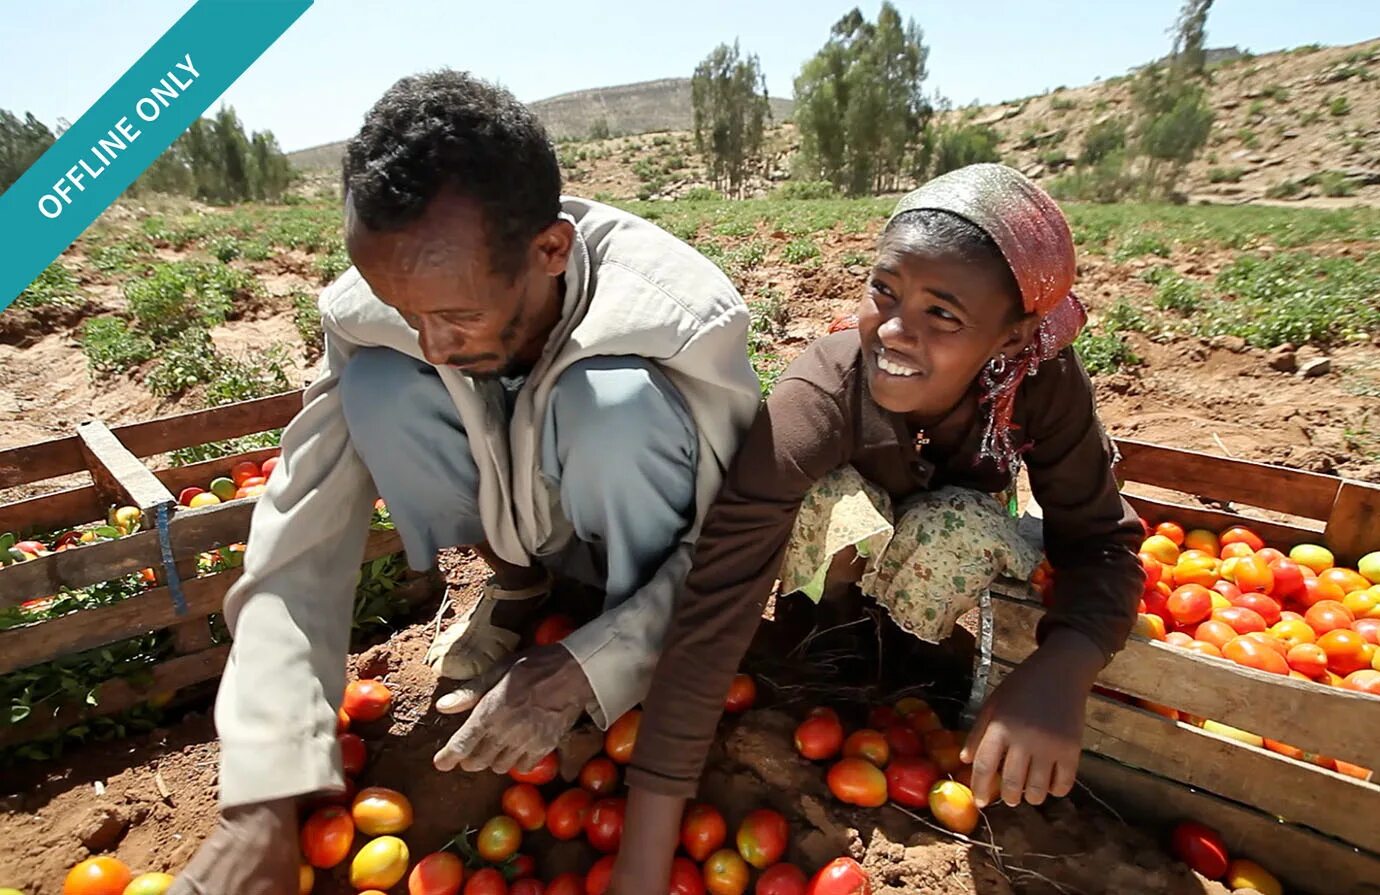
pixel 521 710
pixel 252 852
pixel 1028 737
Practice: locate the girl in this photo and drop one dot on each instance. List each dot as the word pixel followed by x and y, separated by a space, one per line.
pixel 888 441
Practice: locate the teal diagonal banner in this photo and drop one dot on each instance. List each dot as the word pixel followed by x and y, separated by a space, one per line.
pixel 129 127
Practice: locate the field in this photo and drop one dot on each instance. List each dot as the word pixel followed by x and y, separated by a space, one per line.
pixel 1205 322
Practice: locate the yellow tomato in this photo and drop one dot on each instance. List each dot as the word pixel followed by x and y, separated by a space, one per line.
pixel 1163 549
pixel 1201 570
pixel 380 864
pixel 204 499
pixel 1204 540
pixel 1243 874
pixel 1369 566
pixel 1233 732
pixel 149 884
pixel 1317 558
pixel 1363 603
pixel 1221 602
pixel 379 812
pixel 953 805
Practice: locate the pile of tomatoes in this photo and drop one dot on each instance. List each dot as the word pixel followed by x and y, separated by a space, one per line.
pixel 109 876
pixel 1202 849
pixel 246 479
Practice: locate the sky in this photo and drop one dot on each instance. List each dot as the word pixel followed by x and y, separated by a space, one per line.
pixel 314 85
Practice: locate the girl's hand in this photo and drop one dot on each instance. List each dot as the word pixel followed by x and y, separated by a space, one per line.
pixel 651 832
pixel 1029 734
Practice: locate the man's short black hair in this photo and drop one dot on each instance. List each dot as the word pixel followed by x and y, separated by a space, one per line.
pixel 450 130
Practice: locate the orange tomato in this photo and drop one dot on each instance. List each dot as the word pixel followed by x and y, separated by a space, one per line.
pixel 1307 659
pixel 1293 631
pixel 1270 555
pixel 1254 654
pixel 1178 638
pixel 1190 603
pixel 1151 627
pixel 1368 628
pixel 367 700
pixel 1265 638
pixel 858 782
pixel 1238 534
pixel 1253 574
pixel 1266 607
pixel 1202 571
pixel 1235 551
pixel 1171 713
pixel 524 804
pixel 1365 680
pixel 726 873
pixel 1171 530
pixel 1203 648
pixel 439 873
pixel 1316 590
pixel 953 805
pixel 306 879
pixel 327 836
pixel 342 721
pixel 1215 632
pixel 381 812
pixel 1328 615
pixel 1152 567
pixel 944 748
pixel 1345 651
pixel 1204 540
pixel 621 737
pixel 1162 549
pixel 245 469
pixel 869 745
pixel 1353 770
pixel 1242 621
pixel 97 876
pixel 1348 580
pixel 1289 751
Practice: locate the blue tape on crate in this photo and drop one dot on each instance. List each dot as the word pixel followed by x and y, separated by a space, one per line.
pixel 162 515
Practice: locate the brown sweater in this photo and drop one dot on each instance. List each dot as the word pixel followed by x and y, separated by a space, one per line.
pixel 821 417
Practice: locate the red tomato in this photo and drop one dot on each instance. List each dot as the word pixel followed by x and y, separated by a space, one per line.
pixel 1328 615
pixel 923 720
pixel 342 721
pixel 542 774
pixel 1270 555
pixel 1254 654
pixel 909 779
pixel 841 876
pixel 1315 590
pixel 881 717
pixel 524 804
pixel 621 737
pixel 742 693
pixel 944 748
pixel 599 776
pixel 439 873
pixel 819 737
pixel 327 836
pixel 1288 579
pixel 904 740
pixel 566 884
pixel 1266 607
pixel 726 873
pixel 97 876
pixel 868 745
pixel 1242 621
pixel 1368 628
pixel 1172 530
pixel 1201 848
pixel 1190 604
pixel 686 878
pixel 783 879
pixel 499 839
pixel 1228 590
pixel 487 881
pixel 529 887
pixel 702 831
pixel 858 782
pixel 1240 535
pixel 553 629
pixel 266 470
pixel 565 816
pixel 1215 632
pixel 762 838
pixel 604 824
pixel 245 469
pixel 367 700
pixel 185 496
pixel 353 753
pixel 599 876
pixel 523 867
pixel 1153 569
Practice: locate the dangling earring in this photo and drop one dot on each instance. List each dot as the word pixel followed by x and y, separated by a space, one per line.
pixel 997 366
pixel 991 376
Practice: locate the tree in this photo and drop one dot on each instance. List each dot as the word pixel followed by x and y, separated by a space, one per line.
pixel 217 162
pixel 1175 118
pixel 21 143
pixel 1190 37
pixel 860 105
pixel 729 95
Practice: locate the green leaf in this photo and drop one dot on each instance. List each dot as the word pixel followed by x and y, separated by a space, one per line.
pixel 19 713
pixel 7 540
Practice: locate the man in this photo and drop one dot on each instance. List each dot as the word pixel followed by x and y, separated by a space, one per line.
pixel 549 380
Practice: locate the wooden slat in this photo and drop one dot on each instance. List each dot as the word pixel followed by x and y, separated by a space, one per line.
pixel 1326 720
pixel 1277 534
pixel 1304 861
pixel 1299 792
pixel 47 512
pixel 215 424
pixel 44 460
pixel 1292 491
pixel 151 611
pixel 1353 529
pixel 118 474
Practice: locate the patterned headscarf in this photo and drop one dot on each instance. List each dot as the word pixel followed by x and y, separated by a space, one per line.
pixel 1034 237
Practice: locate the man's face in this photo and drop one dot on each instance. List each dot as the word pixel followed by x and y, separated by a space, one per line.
pixel 437 273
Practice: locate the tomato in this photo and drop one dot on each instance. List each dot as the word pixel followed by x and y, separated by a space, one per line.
pixel 1201 848
pixel 1368 628
pixel 622 737
pixel 1288 751
pixel 869 745
pixel 1307 659
pixel 145 884
pixel 522 867
pixel 524 804
pixel 1238 534
pixel 1243 874
pixel 1352 770
pixel 1316 590
pixel 566 884
pixel 858 782
pixel 1242 621
pixel 1363 603
pixel 1264 606
pixel 953 805
pixel 540 775
pixel 1152 568
pixel 1200 570
pixel 380 864
pixel 904 740
pixel 1234 551
pixel 439 873
pixel 819 737
pixel 267 467
pixel 378 812
pixel 1151 627
pixel 1251 573
pixel 1178 638
pixel 909 705
pixel 1328 615
pixel 245 469
pixel 762 838
pixel 528 887
pixel 553 629
pixel 909 780
pixel 944 747
pixel 1292 631
pixel 1366 680
pixel 499 839
pixel 327 836
pixel 1216 632
pixel 97 876
pixel 306 879
pixel 686 878
pixel 1254 654
pixel 1204 649
pixel 367 700
pixel 1171 713
pixel 489 881
pixel 1171 530
pixel 742 693
pixel 599 876
pixel 599 776
pixel 1348 580
pixel 1288 580
pixel 702 831
pixel 1265 638
pixel 565 816
pixel 604 824
pixel 783 879
pixel 841 876
pixel 185 496
pixel 353 753
pixel 881 717
pixel 1162 549
pixel 342 722
pixel 726 873
pixel 1190 604
pixel 1345 651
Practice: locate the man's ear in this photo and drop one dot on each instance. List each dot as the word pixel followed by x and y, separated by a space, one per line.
pixel 553 246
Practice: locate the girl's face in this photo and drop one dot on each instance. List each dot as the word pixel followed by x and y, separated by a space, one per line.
pixel 930 321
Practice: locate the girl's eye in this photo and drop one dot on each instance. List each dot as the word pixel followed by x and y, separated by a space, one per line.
pixel 879 286
pixel 947 319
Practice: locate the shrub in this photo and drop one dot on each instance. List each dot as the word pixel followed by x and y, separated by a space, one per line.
pixel 806 189
pixel 798 251
pixel 1103 139
pixel 111 346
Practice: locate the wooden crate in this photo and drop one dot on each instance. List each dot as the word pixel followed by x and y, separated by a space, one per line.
pixel 118 477
pixel 1316 829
